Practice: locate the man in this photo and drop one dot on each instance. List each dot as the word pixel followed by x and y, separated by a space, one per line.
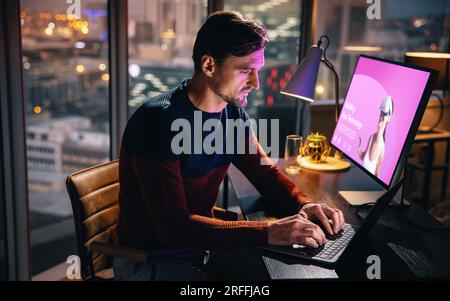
pixel 166 198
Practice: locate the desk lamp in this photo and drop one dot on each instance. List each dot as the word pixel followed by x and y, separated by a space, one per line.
pixel 302 86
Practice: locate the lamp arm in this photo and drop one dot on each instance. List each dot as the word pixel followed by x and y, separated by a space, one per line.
pixel 337 154
pixel 336 87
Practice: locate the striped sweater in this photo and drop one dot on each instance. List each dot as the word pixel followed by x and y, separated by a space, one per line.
pixel 166 198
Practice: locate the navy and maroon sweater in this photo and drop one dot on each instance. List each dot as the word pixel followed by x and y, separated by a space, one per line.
pixel 166 199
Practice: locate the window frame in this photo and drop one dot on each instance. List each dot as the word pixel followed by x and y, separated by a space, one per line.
pixel 14 168
pixel 118 70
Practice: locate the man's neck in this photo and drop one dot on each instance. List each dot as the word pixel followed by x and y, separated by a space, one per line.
pixel 200 94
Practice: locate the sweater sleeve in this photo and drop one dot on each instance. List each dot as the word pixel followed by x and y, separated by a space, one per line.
pixel 162 189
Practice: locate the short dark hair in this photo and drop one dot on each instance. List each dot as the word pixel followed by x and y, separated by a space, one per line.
pixel 226 34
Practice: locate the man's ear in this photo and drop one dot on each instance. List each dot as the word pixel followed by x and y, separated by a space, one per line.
pixel 208 65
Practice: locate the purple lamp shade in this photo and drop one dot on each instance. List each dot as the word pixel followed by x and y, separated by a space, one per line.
pixel 302 84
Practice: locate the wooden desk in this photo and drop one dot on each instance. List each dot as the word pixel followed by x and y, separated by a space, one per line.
pixel 392 227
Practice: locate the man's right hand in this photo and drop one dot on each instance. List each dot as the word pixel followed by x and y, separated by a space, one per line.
pixel 296 229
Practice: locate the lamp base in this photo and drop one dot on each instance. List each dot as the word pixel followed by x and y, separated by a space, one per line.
pixel 330 164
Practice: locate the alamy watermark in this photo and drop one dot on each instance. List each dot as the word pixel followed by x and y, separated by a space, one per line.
pixel 374 9
pixel 374 270
pixel 73 271
pixel 74 10
pixel 237 137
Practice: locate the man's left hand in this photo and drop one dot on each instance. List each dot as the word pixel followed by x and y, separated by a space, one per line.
pixel 323 214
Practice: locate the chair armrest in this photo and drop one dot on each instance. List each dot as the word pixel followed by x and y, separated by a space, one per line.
pixel 118 251
pixel 225 215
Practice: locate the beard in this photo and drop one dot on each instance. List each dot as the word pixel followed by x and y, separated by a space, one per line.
pixel 239 101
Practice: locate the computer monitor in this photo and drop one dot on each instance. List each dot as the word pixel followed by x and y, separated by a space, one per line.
pixel 380 115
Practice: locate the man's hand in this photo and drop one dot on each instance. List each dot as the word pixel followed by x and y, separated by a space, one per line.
pixel 323 214
pixel 296 229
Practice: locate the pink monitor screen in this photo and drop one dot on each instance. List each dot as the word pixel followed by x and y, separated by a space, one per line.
pixel 377 114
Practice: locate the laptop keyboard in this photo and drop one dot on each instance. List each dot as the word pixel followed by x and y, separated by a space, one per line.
pixel 334 243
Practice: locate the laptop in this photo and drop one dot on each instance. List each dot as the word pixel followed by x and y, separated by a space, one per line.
pixel 338 243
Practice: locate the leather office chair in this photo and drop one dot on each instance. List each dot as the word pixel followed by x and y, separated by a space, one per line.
pixel 94 194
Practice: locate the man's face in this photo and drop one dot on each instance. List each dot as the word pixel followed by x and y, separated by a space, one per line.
pixel 235 77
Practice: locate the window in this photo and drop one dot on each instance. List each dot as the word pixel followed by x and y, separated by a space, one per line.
pixel 160 51
pixel 161 37
pixel 65 64
pixel 282 20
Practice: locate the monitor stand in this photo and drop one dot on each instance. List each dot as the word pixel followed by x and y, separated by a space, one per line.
pixel 359 198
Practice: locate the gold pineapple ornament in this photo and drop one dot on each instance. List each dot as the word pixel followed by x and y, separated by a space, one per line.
pixel 316 148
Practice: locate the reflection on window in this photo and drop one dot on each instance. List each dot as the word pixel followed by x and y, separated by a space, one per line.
pixel 405 25
pixel 282 20
pixel 65 61
pixel 161 38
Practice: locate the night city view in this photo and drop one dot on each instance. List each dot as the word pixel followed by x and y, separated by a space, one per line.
pixel 66 78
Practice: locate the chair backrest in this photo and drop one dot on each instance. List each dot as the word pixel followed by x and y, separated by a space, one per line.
pixel 94 193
